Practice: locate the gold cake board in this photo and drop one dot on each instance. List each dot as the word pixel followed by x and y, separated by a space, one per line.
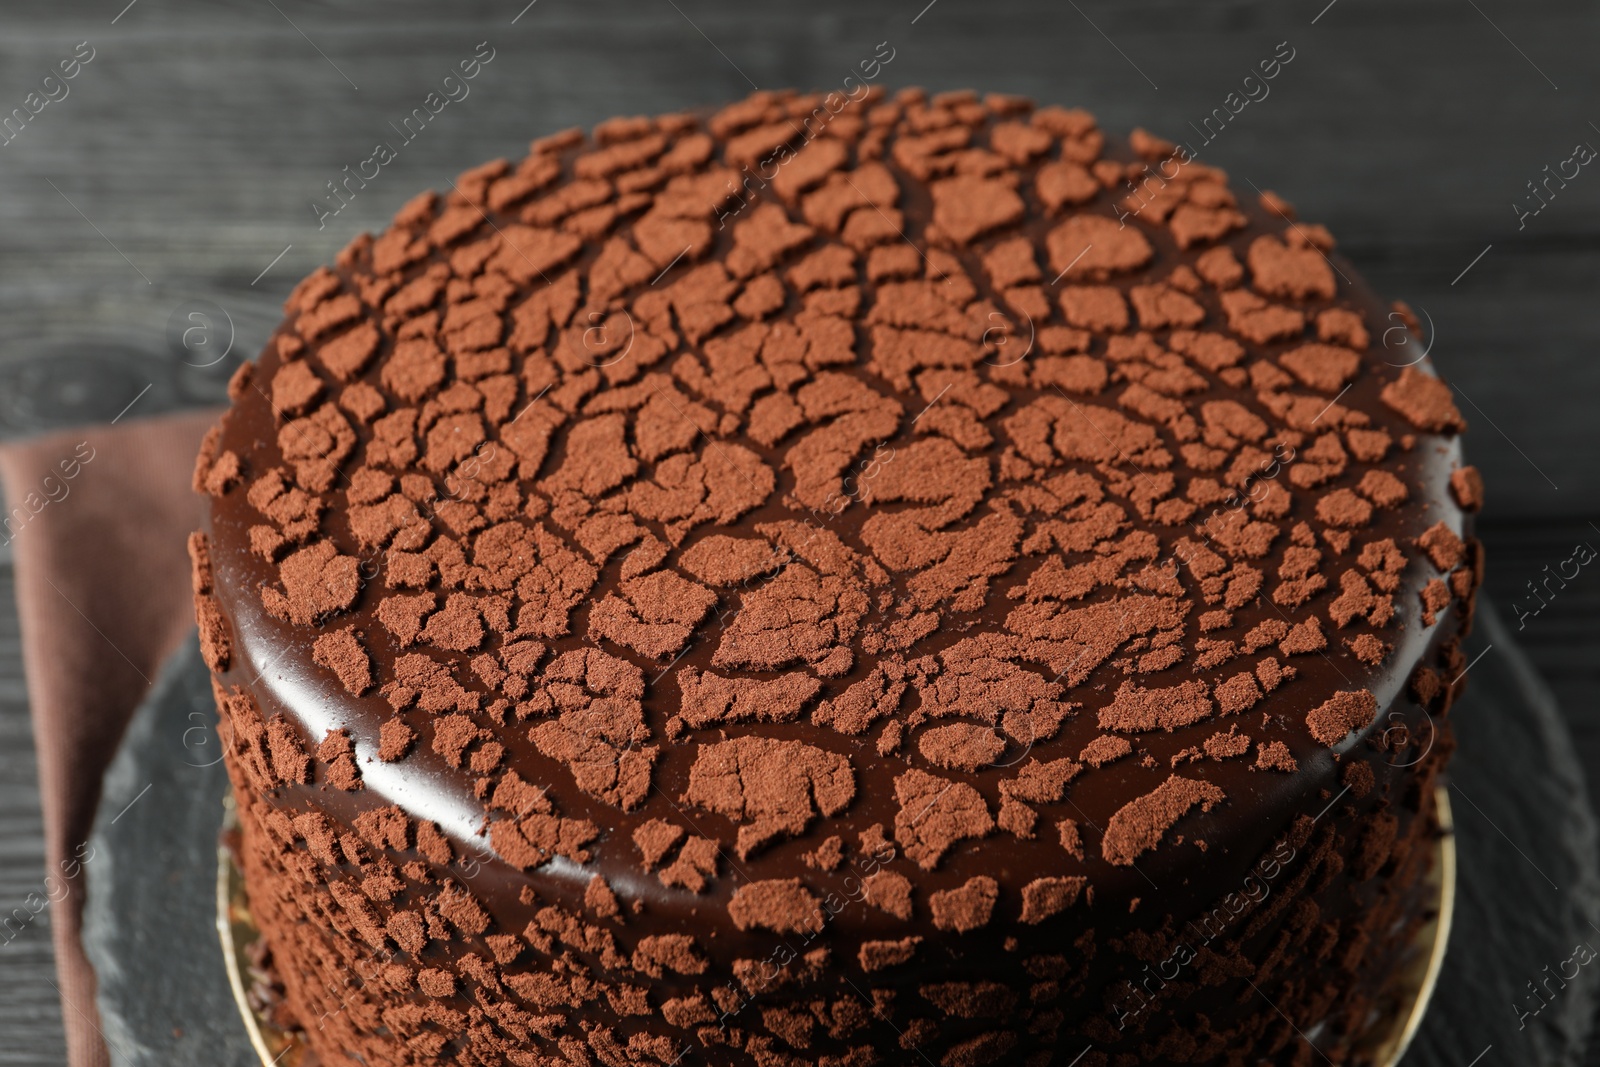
pixel 1414 984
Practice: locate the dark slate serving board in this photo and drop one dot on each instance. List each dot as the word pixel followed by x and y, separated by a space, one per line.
pixel 150 920
pixel 1528 890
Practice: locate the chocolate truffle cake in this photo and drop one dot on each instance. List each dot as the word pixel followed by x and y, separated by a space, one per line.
pixel 892 580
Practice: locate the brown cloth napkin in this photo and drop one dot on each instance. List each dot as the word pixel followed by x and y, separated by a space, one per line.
pixel 103 594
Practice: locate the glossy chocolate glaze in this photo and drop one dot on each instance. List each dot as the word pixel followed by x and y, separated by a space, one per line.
pixel 272 661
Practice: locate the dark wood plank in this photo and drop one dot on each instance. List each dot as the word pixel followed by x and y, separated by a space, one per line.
pixel 30 1008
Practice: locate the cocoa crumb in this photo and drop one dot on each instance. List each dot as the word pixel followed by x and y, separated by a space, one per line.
pixel 1425 401
pixel 966 908
pixel 1044 897
pixel 1275 756
pixel 1139 825
pixel 1071 840
pixel 1466 485
pixel 935 814
pixel 890 892
pixel 1341 713
pixel 395 739
pixel 341 652
pixel 1103 749
pixel 877 955
pixel 783 905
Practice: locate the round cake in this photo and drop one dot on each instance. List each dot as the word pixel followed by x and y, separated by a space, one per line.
pixel 846 579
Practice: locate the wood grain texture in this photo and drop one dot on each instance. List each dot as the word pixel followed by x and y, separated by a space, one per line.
pixel 188 151
pixel 30 1008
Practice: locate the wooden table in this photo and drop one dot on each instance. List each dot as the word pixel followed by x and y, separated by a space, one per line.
pixel 177 175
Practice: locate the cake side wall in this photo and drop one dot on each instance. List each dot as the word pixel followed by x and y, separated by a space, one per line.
pixel 1312 933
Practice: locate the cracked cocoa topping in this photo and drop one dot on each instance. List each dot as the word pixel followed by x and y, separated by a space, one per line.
pixel 723 587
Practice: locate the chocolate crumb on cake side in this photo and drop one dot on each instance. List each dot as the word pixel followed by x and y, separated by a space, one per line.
pixel 837 582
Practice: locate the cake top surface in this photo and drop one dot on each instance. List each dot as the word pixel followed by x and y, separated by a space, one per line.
pixel 711 500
